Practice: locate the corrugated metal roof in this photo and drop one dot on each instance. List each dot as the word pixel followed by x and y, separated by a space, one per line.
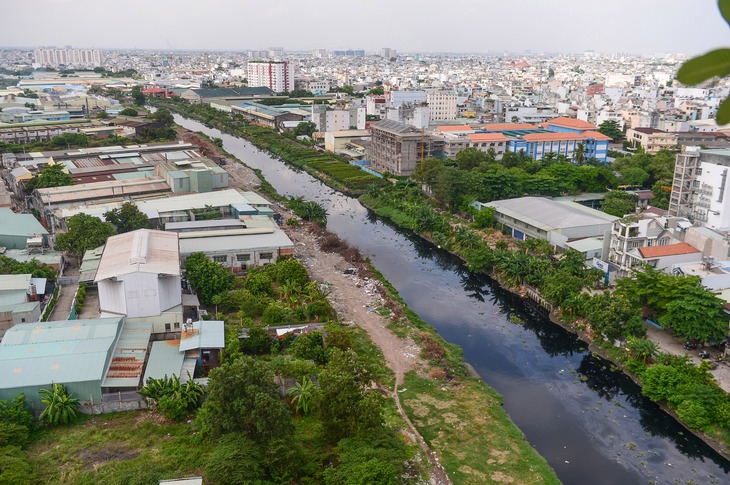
pixel 549 214
pixel 12 224
pixel 165 359
pixel 125 366
pixel 205 334
pixel 12 282
pixel 37 354
pixel 243 243
pixel 143 250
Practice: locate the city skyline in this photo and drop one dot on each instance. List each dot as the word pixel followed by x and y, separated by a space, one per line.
pixel 472 26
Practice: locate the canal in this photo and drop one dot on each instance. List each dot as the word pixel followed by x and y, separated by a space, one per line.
pixel 589 421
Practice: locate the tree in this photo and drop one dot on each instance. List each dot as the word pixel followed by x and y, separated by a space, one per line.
pixel 162 116
pixel 50 176
pixel 579 154
pixel 619 203
pixel 309 210
pixel 84 232
pixel 128 112
pixel 697 315
pixel 634 176
pixel 207 277
pixel 243 398
pixel 172 398
pixel 305 128
pixel 470 158
pixel 61 406
pixel 662 190
pixel 346 405
pixel 102 115
pixel 127 218
pixel 612 129
pixel 138 96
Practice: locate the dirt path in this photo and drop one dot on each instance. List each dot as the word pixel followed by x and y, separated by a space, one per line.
pixel 353 297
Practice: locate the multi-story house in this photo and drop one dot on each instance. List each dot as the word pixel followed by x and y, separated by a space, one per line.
pixel 275 75
pixel 632 232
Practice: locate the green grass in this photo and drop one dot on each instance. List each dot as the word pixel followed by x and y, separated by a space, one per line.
pixel 466 425
pixel 132 447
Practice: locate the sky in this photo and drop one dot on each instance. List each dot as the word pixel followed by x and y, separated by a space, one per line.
pixel 551 26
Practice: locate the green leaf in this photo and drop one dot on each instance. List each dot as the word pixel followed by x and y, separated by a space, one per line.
pixel 714 63
pixel 724 6
pixel 723 112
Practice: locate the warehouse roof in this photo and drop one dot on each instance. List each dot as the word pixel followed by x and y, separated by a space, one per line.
pixel 143 250
pixel 205 334
pixel 204 242
pixel 37 354
pixel 12 224
pixel 549 214
pixel 165 359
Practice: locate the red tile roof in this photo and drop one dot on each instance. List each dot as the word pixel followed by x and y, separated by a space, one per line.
pixel 564 136
pixel 508 126
pixel 480 137
pixel 670 250
pixel 455 128
pixel 572 123
pixel 596 135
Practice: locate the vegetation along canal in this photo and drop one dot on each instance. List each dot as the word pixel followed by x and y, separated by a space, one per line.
pixel 590 422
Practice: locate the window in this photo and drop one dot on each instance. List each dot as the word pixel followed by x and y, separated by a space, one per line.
pixel 167 327
pixel 220 259
pixel 177 325
pixel 266 255
pixel 243 257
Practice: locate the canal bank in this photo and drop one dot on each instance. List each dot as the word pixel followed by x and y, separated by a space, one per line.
pixel 564 400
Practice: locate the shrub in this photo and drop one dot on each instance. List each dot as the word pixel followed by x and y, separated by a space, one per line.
pixel 693 414
pixel 276 314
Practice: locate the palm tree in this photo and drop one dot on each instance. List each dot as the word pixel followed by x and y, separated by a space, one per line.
pixel 642 349
pixel 61 408
pixel 303 394
pixel 579 154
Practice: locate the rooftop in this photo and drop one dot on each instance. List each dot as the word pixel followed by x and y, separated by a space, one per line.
pixel 549 214
pixel 571 123
pixel 36 354
pixel 12 224
pixel 484 137
pixel 669 250
pixel 143 250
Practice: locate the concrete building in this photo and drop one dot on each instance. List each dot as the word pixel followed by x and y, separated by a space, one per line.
pixel 269 116
pixel 208 95
pixel 442 105
pixel 339 141
pixel 19 301
pixel 700 188
pixel 631 233
pixel 52 57
pixel 139 277
pixel 397 148
pixel 250 240
pixel 327 120
pixel 275 75
pixel 664 257
pixel 557 222
pixel 651 139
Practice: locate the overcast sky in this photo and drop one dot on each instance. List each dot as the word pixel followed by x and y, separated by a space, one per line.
pixel 635 26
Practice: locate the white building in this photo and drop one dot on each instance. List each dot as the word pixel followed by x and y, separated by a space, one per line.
pixel 139 276
pixel 67 57
pixel 275 75
pixel 415 115
pixel 398 98
pixel 442 105
pixel 328 120
pixel 700 189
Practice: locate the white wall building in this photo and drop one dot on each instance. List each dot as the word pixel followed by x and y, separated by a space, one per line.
pixel 275 75
pixel 328 120
pixel 139 276
pixel 442 105
pixel 68 57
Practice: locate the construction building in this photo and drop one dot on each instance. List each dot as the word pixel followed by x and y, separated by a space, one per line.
pixel 398 148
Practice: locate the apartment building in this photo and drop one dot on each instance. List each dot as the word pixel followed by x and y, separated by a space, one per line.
pixel 633 232
pixel 52 57
pixel 700 189
pixel 442 105
pixel 651 139
pixel 275 75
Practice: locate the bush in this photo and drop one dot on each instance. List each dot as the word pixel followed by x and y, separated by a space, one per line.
pixel 277 314
pixel 258 341
pixel 309 347
pixel 693 414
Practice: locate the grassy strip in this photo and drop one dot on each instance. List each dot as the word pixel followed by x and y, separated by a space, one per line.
pixel 466 424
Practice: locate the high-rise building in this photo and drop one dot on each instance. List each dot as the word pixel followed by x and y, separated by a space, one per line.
pixel 275 75
pixel 387 53
pixel 442 105
pixel 52 57
pixel 700 188
pixel 319 53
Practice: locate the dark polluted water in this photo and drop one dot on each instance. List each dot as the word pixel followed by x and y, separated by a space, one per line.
pixel 590 422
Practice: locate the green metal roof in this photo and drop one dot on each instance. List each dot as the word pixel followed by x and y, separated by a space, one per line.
pixel 165 359
pixel 37 354
pixel 12 224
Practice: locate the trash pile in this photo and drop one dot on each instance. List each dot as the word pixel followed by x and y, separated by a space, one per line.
pixel 369 286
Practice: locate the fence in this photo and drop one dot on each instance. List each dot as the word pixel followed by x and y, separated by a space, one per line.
pixel 113 402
